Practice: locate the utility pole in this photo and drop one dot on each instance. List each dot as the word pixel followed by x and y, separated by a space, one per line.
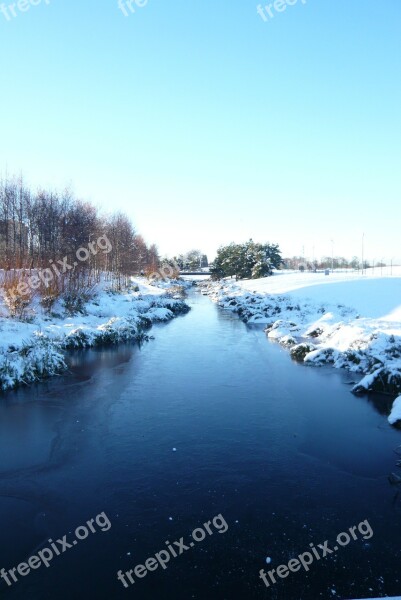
pixel 363 241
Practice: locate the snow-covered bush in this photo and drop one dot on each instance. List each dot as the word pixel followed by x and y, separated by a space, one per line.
pixel 37 359
pixel 384 379
pixel 395 415
pixel 299 351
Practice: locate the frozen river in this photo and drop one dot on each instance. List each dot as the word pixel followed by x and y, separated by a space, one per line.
pixel 210 418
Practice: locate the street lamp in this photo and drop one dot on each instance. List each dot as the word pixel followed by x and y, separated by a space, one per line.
pixel 332 256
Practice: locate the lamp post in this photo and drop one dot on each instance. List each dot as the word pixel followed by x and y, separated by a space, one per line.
pixel 332 256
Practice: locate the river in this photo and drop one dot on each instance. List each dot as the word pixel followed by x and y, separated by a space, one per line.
pixel 209 418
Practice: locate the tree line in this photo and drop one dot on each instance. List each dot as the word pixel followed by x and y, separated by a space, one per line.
pixel 326 262
pixel 192 260
pixel 37 227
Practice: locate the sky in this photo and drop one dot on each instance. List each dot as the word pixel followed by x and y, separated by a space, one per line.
pixel 207 122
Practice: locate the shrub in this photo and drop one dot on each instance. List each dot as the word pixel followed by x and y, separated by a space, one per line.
pixel 17 293
pixel 79 289
pixel 299 351
pixel 50 293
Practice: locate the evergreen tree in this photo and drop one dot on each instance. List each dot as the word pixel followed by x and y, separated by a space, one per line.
pixel 246 261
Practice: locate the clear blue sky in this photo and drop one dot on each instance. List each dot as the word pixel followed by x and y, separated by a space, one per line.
pixel 207 124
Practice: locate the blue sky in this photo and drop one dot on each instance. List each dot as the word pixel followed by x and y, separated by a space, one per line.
pixel 208 125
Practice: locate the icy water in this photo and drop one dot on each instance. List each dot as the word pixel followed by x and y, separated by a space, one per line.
pixel 285 453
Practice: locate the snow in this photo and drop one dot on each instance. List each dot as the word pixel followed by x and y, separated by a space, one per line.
pixel 31 350
pixel 371 295
pixel 343 319
pixel 395 414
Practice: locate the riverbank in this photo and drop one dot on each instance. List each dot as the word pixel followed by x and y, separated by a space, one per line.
pixel 347 321
pixel 33 348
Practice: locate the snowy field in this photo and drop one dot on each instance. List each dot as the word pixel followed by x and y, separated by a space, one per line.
pixel 372 295
pixel 344 319
pixel 33 348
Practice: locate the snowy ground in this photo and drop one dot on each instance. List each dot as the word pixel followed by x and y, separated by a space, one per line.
pixel 34 349
pixel 343 319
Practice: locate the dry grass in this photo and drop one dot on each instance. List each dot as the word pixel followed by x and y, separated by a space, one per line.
pixel 17 293
pixel 20 287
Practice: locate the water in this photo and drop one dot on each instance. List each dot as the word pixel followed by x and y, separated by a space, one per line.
pixel 285 453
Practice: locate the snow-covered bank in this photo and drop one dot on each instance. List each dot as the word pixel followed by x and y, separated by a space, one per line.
pixel 32 350
pixel 345 320
pixel 395 414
